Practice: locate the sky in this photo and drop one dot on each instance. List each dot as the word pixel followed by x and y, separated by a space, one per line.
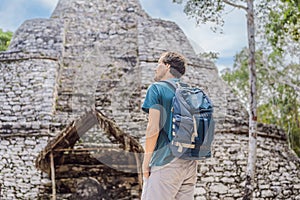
pixel 14 12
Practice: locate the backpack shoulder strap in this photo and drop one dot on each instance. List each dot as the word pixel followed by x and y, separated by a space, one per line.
pixel 174 85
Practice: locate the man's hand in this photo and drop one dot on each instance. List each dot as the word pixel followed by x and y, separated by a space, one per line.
pixel 145 166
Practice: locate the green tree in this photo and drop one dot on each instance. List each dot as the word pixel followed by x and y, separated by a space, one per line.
pixel 278 92
pixel 238 77
pixel 284 22
pixel 5 38
pixel 278 29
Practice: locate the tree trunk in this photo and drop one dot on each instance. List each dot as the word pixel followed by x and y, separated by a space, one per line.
pixel 249 185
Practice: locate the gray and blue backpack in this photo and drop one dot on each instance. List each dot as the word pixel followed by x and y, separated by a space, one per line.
pixel 192 123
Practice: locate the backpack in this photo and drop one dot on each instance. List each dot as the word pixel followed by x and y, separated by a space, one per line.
pixel 192 123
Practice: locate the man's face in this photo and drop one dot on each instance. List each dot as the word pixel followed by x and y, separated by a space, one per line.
pixel 160 70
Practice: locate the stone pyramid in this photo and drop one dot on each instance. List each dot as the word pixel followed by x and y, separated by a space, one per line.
pixel 101 54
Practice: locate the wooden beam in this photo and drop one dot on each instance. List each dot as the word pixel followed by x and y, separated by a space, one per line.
pixel 53 176
pixel 139 171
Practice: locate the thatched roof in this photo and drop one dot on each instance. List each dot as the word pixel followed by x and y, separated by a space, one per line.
pixel 67 138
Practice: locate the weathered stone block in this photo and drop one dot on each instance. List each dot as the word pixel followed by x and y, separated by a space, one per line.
pixel 200 191
pixel 227 180
pixel 218 188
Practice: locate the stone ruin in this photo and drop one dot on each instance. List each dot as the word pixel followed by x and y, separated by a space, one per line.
pixel 100 54
pixel 85 169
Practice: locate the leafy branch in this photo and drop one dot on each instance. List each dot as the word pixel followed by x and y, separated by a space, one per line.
pixel 235 5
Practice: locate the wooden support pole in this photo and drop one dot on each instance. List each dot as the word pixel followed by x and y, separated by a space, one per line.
pixel 139 171
pixel 53 176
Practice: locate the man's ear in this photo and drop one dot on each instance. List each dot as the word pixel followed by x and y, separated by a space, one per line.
pixel 168 66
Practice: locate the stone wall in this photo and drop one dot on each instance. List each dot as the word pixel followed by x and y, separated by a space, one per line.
pixel 19 179
pixel 28 91
pixel 223 176
pixel 103 41
pixel 101 53
pixel 29 76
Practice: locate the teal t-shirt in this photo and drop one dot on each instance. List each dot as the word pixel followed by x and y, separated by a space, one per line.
pixel 159 96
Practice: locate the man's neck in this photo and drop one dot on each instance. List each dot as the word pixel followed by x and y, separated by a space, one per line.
pixel 167 77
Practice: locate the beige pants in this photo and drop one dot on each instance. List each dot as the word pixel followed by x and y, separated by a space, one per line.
pixel 175 180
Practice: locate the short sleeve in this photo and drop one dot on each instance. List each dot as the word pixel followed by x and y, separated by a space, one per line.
pixel 152 99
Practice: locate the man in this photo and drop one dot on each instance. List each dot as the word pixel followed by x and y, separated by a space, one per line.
pixel 165 176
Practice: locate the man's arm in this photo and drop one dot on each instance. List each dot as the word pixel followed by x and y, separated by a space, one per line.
pixel 152 133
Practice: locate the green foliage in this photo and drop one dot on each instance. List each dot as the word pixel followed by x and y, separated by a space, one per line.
pixel 284 22
pixel 204 11
pixel 5 38
pixel 209 55
pixel 283 111
pixel 279 20
pixel 278 100
pixel 238 78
